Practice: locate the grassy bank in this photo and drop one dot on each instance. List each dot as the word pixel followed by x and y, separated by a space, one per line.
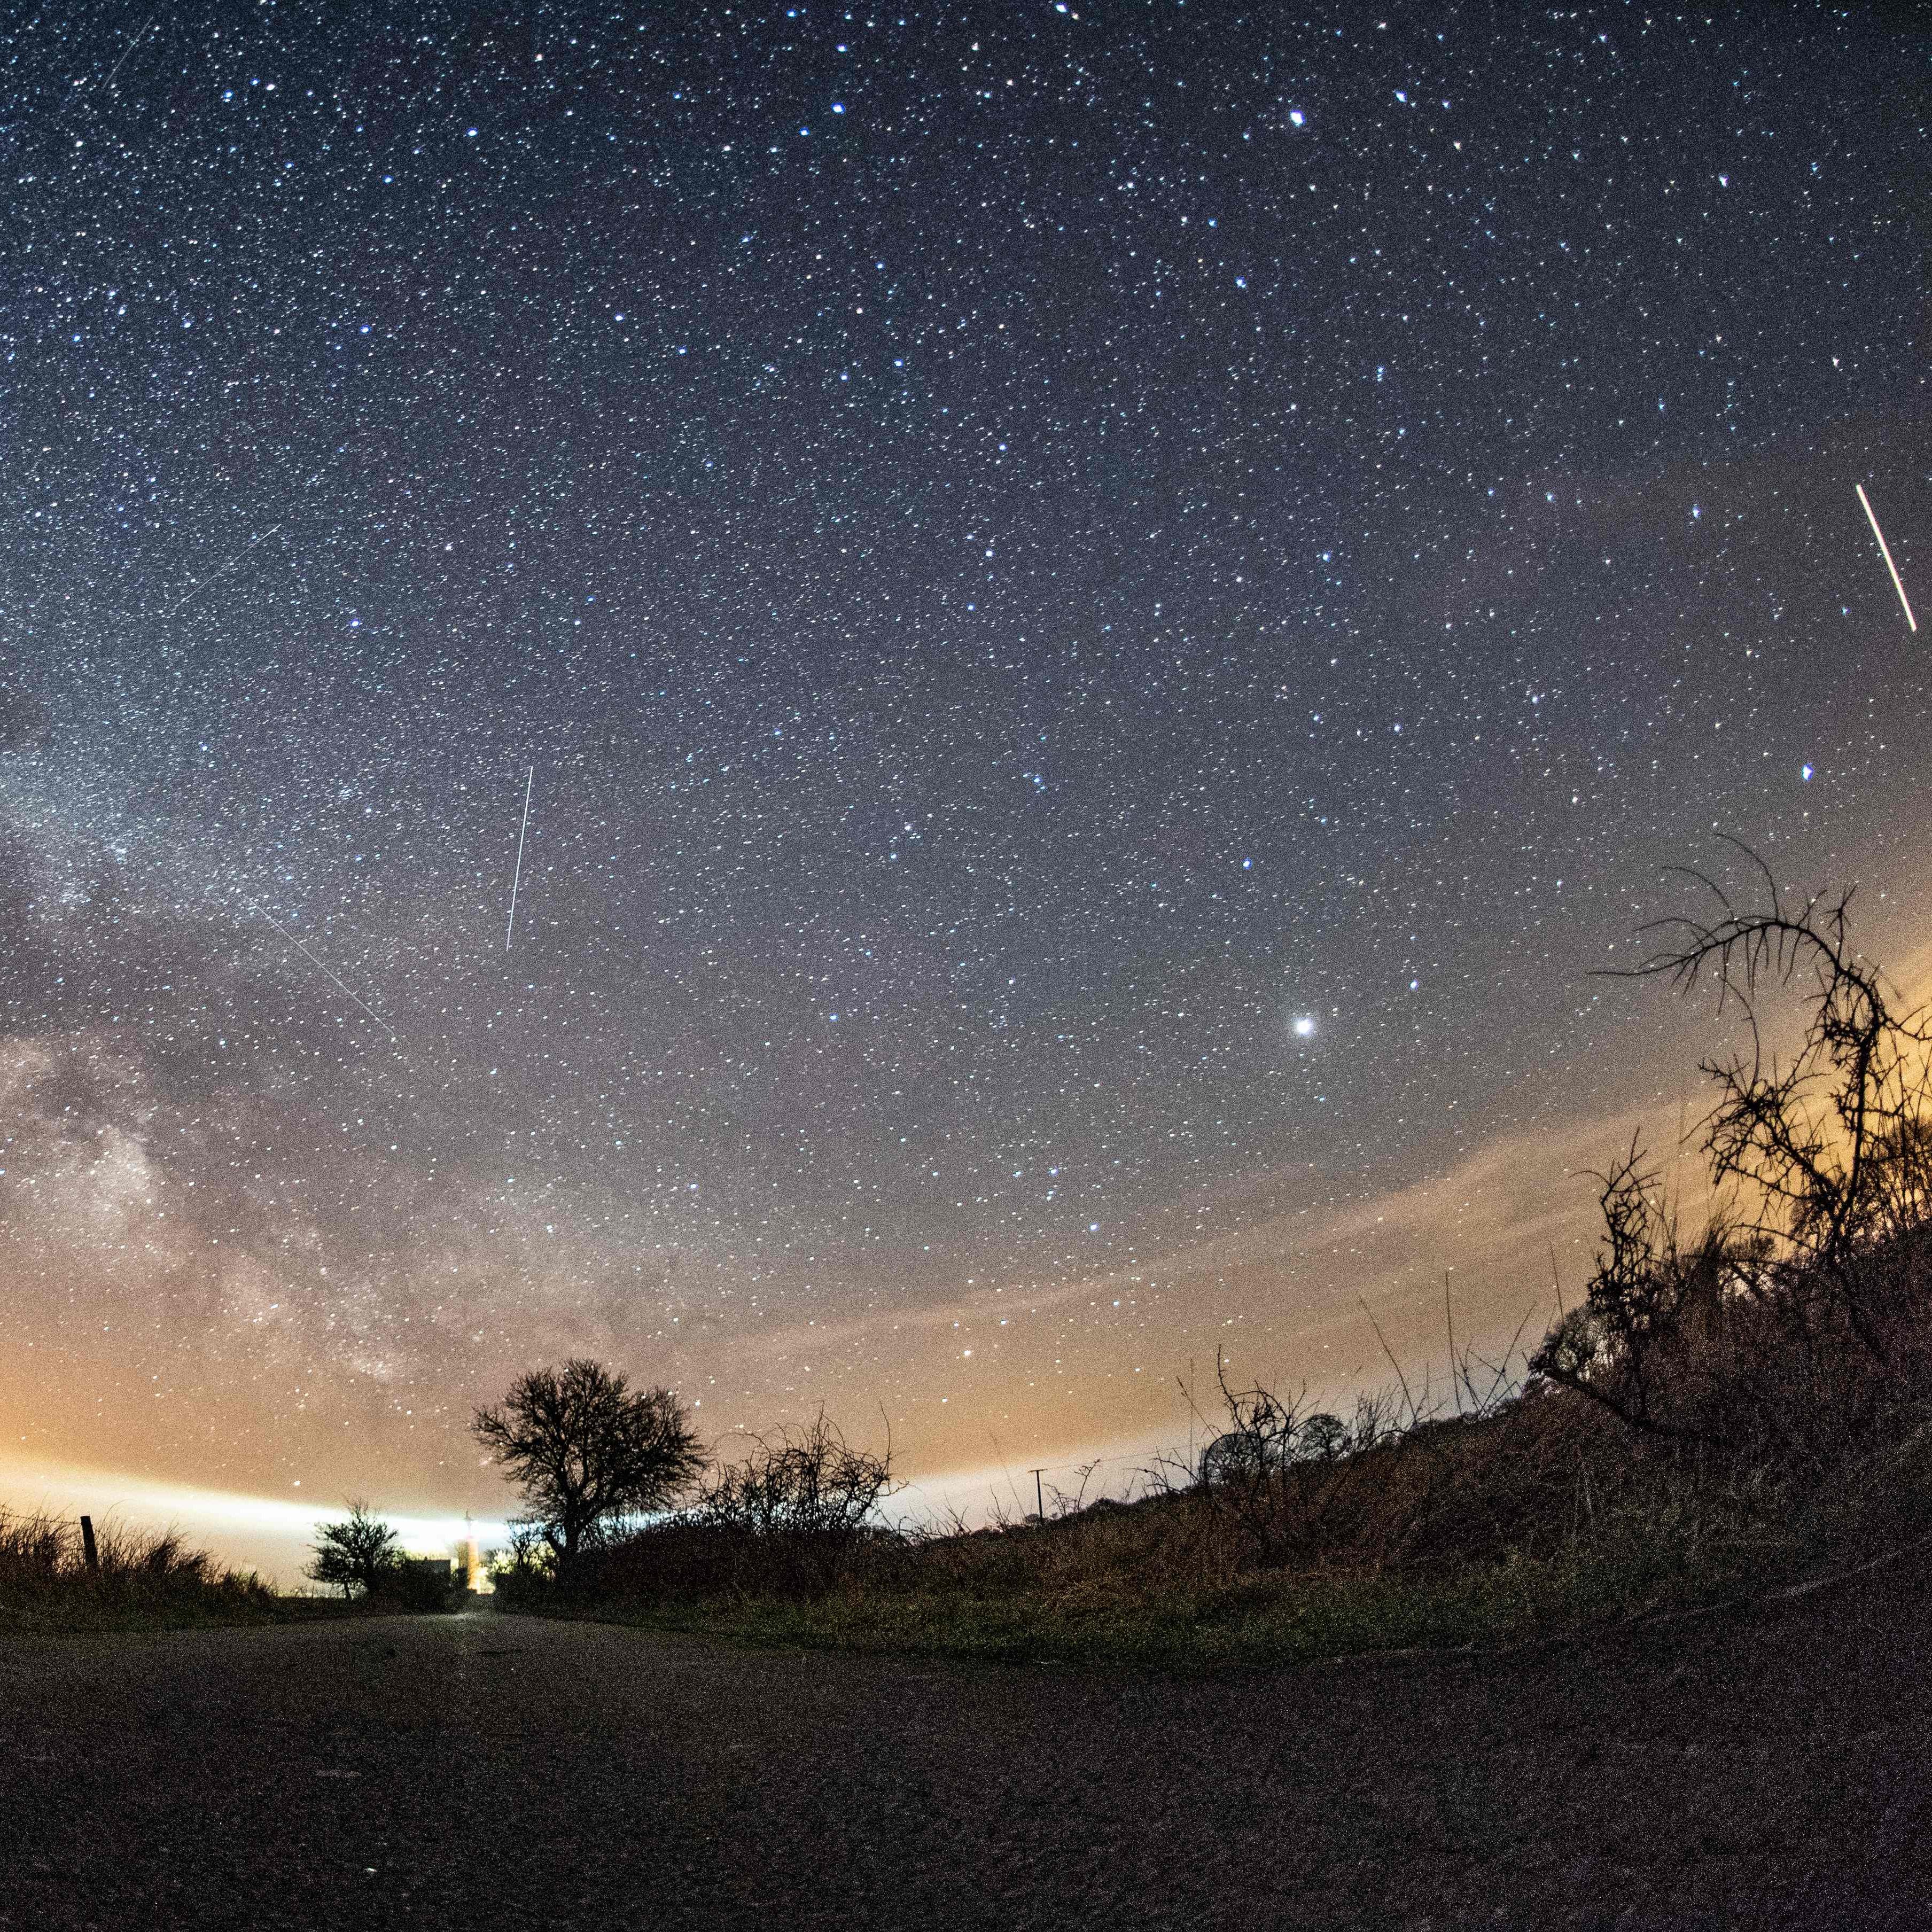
pixel 1718 1417
pixel 140 1580
pixel 1542 1516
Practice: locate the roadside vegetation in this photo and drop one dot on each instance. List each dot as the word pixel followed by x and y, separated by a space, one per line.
pixel 1722 1413
pixel 137 1580
pixel 60 1574
pixel 361 1557
pixel 1728 1411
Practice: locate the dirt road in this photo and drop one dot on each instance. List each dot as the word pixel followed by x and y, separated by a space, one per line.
pixel 1769 1768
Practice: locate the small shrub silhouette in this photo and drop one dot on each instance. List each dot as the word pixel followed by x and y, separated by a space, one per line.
pixel 789 1519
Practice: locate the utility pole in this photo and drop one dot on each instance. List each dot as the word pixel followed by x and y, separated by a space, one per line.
pixel 1038 1493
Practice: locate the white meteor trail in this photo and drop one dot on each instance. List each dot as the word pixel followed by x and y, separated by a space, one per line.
pixel 313 960
pixel 174 609
pixel 516 878
pixel 1884 551
pixel 128 49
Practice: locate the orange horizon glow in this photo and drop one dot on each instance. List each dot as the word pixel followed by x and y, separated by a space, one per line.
pixel 1003 1376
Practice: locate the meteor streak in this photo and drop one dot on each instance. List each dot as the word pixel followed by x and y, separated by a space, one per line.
pixel 1884 551
pixel 173 609
pixel 313 960
pixel 125 52
pixel 516 877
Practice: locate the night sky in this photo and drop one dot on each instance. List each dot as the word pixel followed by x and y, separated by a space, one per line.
pixel 1106 610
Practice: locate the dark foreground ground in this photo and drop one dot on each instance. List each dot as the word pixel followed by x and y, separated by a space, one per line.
pixel 1760 1767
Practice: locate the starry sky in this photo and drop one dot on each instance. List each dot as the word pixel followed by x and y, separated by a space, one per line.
pixel 1105 610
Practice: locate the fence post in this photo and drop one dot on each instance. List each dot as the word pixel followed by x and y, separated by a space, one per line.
pixel 88 1547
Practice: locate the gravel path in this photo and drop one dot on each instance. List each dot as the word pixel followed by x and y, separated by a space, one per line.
pixel 1767 1768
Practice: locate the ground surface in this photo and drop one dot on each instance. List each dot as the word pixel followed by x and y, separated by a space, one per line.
pixel 1768 1767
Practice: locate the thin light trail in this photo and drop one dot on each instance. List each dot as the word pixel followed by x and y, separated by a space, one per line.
pixel 85 94
pixel 313 960
pixel 128 49
pixel 516 878
pixel 174 609
pixel 1884 551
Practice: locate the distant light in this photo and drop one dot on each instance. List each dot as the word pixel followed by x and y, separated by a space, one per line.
pixel 1805 773
pixel 838 107
pixel 1294 114
pixel 1304 1025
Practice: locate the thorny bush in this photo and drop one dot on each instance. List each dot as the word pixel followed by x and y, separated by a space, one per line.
pixel 1796 1324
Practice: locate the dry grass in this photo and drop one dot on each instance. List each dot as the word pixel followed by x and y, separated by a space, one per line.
pixel 1714 1416
pixel 140 1579
pixel 1541 1512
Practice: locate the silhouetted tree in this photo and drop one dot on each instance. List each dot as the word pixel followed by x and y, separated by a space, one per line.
pixel 1259 1441
pixel 1777 1328
pixel 358 1553
pixel 1834 1142
pixel 1324 1438
pixel 586 1453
